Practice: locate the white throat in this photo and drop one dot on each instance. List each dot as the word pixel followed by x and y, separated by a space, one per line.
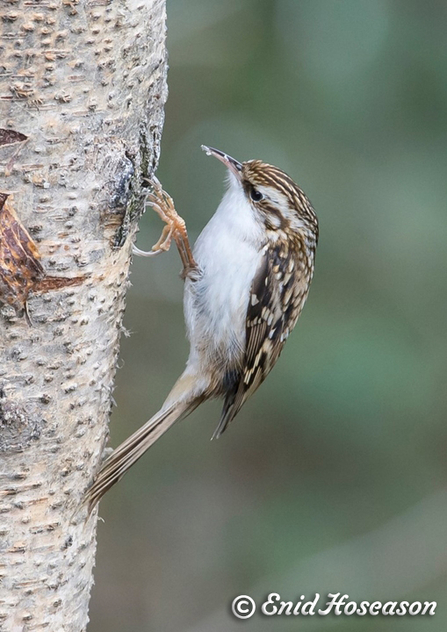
pixel 235 213
pixel 229 252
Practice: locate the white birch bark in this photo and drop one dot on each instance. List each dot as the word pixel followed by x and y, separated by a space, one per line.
pixel 85 83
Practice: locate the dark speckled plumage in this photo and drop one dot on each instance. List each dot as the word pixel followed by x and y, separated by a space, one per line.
pixel 281 285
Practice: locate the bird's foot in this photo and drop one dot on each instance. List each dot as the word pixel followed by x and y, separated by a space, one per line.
pixel 175 228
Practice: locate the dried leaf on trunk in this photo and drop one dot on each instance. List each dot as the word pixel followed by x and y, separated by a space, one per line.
pixel 10 136
pixel 20 268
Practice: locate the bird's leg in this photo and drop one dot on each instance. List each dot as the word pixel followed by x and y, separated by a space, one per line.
pixel 175 228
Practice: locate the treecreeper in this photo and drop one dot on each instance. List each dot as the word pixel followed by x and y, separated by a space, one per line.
pixel 246 282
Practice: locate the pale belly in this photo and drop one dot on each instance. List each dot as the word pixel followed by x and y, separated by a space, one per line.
pixel 216 304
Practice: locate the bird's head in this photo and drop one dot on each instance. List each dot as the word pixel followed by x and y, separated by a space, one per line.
pixel 272 194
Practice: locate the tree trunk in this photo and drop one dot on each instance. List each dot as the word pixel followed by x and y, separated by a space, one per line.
pixel 82 90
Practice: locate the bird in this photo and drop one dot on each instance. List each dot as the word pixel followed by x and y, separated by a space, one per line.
pixel 246 282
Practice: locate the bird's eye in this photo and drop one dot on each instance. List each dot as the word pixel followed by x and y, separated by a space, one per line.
pixel 255 195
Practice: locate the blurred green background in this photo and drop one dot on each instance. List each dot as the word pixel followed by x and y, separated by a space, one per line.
pixel 334 476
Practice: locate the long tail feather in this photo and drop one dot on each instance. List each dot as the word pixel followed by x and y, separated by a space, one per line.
pixel 121 459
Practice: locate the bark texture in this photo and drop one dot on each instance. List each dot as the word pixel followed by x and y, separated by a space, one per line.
pixel 82 90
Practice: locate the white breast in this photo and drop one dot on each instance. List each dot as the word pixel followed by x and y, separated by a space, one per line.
pixel 228 253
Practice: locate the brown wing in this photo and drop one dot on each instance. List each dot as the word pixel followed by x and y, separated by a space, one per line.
pixel 272 313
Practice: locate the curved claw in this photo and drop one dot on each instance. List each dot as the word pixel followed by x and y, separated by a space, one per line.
pixel 144 253
pixel 175 228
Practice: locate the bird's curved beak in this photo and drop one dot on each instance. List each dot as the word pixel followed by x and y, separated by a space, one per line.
pixel 233 165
